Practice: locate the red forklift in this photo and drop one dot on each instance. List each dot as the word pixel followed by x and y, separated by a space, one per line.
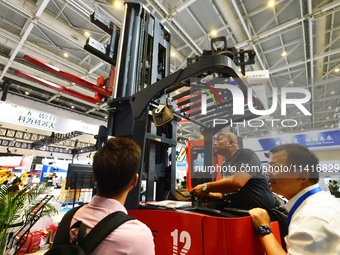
pixel 147 107
pixel 146 103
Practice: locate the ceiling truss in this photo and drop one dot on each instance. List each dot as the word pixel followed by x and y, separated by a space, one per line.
pixel 308 31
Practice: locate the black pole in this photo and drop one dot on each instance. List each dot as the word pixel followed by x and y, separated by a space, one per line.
pixel 6 84
pixel 75 191
pixel 74 150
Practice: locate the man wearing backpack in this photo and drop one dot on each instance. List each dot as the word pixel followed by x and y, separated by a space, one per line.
pixel 115 168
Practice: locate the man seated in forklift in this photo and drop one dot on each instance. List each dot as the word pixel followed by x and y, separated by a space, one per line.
pixel 242 176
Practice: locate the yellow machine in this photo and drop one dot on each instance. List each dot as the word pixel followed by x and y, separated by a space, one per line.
pixel 5 175
pixel 23 177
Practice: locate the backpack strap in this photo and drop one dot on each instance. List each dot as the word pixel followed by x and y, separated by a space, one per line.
pixel 102 230
pixel 63 233
pixel 82 230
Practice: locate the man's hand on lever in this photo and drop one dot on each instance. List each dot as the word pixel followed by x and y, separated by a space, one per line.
pixel 202 191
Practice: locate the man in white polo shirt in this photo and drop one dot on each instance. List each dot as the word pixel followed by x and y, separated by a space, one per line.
pixel 314 215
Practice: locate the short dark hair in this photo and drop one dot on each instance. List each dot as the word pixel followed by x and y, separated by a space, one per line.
pixel 299 155
pixel 115 165
pixel 16 180
pixel 13 188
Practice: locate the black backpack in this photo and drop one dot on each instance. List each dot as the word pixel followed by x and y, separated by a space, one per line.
pixel 86 244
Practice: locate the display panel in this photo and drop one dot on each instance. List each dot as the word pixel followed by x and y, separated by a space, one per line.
pixel 79 177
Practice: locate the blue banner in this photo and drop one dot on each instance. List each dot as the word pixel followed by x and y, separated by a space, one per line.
pixel 311 140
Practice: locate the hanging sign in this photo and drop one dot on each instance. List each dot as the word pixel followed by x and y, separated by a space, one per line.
pixel 311 140
pixel 33 118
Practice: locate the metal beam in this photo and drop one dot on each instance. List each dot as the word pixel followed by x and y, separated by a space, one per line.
pixel 58 87
pixel 68 76
pixel 329 53
pixel 56 26
pixel 180 30
pixel 228 14
pixel 26 33
pixel 11 40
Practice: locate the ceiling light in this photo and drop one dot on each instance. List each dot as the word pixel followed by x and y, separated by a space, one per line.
pixel 271 3
pixel 172 54
pixel 213 33
pixel 65 54
pixel 27 93
pixel 72 106
pixel 117 4
pixel 329 107
pixel 336 70
pixel 327 118
pixel 87 34
pixel 332 92
pixel 284 54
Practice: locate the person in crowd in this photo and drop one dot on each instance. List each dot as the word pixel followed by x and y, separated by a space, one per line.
pixel 115 171
pixel 14 189
pixel 313 219
pixel 333 187
pixel 16 181
pixel 243 175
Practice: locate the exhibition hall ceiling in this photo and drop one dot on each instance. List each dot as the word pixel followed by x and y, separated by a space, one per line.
pixel 298 42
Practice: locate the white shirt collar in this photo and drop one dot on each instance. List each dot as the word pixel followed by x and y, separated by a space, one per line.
pixel 293 200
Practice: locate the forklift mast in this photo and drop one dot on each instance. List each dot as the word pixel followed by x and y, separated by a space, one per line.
pixel 142 83
pixel 140 52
